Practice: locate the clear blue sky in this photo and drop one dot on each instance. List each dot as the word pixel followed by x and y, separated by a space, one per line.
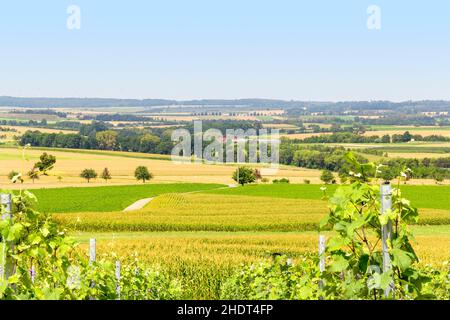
pixel 181 49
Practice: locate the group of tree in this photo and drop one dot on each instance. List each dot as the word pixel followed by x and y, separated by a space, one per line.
pixel 332 158
pixel 100 135
pixel 46 163
pixel 141 173
pixel 354 137
pixel 7 129
pixel 63 125
pixel 40 112
pixel 97 136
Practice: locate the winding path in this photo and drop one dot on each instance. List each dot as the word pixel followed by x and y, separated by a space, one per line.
pixel 138 205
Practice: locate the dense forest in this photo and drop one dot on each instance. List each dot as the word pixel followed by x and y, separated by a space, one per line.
pixel 100 135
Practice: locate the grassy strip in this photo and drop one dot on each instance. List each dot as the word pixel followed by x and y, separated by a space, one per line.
pixel 104 199
pixel 434 197
pixel 414 149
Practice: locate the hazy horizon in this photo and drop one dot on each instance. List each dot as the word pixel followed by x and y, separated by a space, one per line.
pixel 221 99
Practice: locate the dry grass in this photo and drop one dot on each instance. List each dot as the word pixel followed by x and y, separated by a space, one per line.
pixel 280 126
pixel 419 155
pixel 424 133
pixel 445 133
pixel 70 163
pixel 303 135
pixel 26 116
pixel 21 130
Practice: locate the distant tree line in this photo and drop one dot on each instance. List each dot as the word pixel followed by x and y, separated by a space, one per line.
pixel 223 125
pixel 63 125
pixel 350 137
pixel 40 111
pixel 333 159
pixel 100 135
pixel 314 157
pixel 3 129
pixel 134 140
pixel 426 168
pixel 400 120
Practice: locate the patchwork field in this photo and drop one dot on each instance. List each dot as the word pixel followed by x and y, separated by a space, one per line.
pixel 9 136
pixel 383 130
pixel 21 129
pixel 201 212
pixel 24 116
pixel 280 126
pixel 69 164
pixel 203 237
pixel 104 199
pixel 200 233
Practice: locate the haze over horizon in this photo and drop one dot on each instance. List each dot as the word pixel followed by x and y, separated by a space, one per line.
pixel 218 99
pixel 178 50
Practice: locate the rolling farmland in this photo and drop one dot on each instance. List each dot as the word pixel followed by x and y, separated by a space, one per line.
pixel 202 237
pixel 70 163
pixel 198 228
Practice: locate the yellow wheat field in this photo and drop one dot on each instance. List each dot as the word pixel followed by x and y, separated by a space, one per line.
pixel 422 132
pixel 218 212
pixel 206 212
pixel 203 260
pixel 223 248
pixel 69 164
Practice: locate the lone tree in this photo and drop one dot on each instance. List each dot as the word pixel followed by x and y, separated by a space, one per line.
pixel 46 163
pixel 327 176
pixel 88 174
pixel 244 175
pixel 33 174
pixel 142 173
pixel 106 175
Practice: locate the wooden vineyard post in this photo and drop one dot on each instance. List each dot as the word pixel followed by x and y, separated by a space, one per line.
pixel 118 279
pixel 7 267
pixel 322 245
pixel 386 231
pixel 32 274
pixel 6 201
pixel 92 251
pixel 92 257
